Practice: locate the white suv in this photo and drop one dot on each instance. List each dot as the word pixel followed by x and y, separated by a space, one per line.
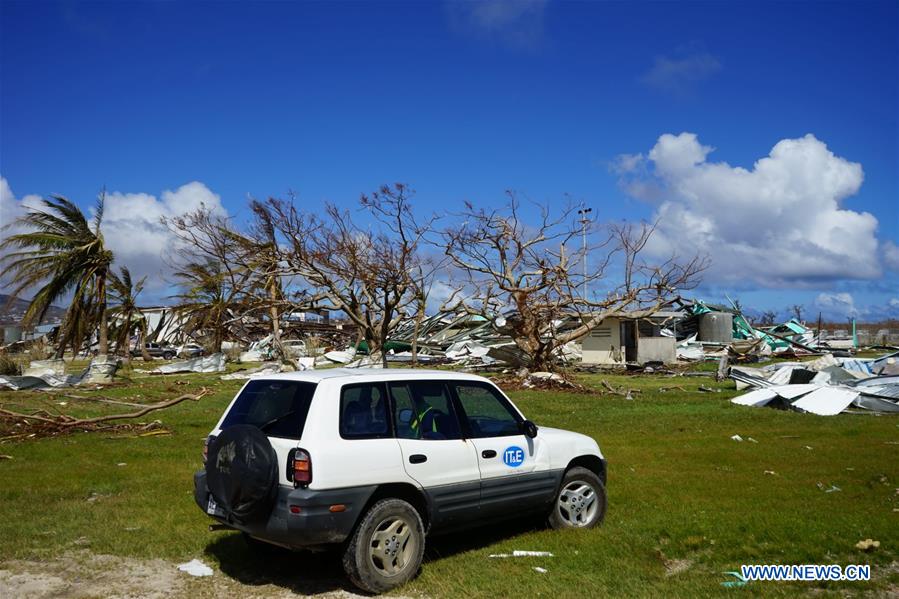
pixel 376 459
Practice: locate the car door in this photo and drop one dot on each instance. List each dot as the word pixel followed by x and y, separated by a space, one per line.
pixel 434 453
pixel 514 468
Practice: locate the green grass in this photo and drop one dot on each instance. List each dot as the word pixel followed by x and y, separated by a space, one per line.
pixel 680 492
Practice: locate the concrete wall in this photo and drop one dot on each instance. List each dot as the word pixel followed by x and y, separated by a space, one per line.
pixel 656 349
pixel 602 345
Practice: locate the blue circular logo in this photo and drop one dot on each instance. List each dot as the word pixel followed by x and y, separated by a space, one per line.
pixel 513 457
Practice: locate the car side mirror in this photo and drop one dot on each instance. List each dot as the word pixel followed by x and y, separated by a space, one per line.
pixel 529 429
pixel 405 416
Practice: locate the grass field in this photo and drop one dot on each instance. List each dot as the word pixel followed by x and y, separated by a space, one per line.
pixel 686 502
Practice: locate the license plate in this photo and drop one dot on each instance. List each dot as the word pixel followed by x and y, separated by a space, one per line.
pixel 211 507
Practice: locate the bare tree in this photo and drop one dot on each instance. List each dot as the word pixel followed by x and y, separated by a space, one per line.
pixel 769 317
pixel 367 272
pixel 507 263
pixel 212 272
pixel 797 310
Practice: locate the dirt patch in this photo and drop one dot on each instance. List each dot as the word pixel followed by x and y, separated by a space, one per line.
pixel 82 574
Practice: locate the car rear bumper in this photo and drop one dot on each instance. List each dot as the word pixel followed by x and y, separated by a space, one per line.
pixel 315 524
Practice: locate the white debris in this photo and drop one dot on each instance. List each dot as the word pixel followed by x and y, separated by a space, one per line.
pixel 737 438
pixel 263 370
pixel 213 363
pixel 305 363
pixel 520 553
pixel 540 570
pixel 341 357
pixel 196 568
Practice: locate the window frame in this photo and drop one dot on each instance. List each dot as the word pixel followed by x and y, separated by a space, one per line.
pixel 224 424
pixel 503 400
pixel 388 406
pixel 452 403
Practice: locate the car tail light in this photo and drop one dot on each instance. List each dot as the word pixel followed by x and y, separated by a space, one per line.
pixel 299 467
pixel 206 443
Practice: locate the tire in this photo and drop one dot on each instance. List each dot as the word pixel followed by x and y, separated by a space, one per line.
pixel 580 502
pixel 242 474
pixel 363 561
pixel 168 356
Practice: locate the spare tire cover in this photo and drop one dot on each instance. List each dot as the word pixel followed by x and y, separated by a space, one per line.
pixel 242 473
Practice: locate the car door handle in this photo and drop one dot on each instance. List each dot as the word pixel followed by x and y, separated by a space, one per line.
pixel 417 458
pixel 488 453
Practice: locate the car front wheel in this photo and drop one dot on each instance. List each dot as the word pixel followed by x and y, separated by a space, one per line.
pixel 581 501
pixel 387 547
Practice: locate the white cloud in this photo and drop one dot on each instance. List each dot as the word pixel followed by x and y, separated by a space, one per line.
pixel 627 163
pixel 890 255
pixel 515 23
pixel 678 75
pixel 133 230
pixel 840 304
pixel 778 224
pixel 132 226
pixel 894 303
pixel 12 209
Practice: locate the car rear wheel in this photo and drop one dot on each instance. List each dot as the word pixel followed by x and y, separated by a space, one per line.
pixel 387 547
pixel 581 501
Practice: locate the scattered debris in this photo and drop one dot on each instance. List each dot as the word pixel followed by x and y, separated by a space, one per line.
pixel 213 363
pixel 195 568
pixel 43 423
pixel 520 553
pixel 738 581
pixel 868 545
pixel 737 438
pixel 540 570
pixel 263 370
pixel 832 489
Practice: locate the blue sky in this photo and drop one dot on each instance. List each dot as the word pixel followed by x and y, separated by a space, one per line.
pixel 465 100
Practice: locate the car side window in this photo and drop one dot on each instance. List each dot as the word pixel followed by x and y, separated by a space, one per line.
pixel 487 412
pixel 424 410
pixel 363 411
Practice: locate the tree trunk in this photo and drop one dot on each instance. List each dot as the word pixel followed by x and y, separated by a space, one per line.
pixel 276 323
pixel 144 354
pixel 104 325
pixel 419 317
pixel 124 341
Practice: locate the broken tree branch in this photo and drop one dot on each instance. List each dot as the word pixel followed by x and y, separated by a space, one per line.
pixel 64 422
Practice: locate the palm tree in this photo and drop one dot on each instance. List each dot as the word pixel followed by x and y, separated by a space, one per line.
pixel 126 312
pixel 61 252
pixel 207 301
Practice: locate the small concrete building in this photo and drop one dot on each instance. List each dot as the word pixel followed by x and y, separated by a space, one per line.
pixel 623 339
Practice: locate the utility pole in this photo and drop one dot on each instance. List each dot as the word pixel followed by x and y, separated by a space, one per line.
pixel 585 220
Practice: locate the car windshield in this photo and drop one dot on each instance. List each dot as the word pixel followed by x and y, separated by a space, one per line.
pixel 278 408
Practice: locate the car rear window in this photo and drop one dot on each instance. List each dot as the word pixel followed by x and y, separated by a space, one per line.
pixel 278 408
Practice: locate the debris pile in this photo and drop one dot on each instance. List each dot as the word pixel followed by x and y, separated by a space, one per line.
pixel 825 386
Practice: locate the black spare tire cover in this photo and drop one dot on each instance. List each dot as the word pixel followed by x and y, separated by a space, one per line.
pixel 242 473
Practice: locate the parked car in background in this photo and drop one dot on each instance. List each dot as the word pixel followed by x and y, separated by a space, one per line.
pixel 191 350
pixel 157 351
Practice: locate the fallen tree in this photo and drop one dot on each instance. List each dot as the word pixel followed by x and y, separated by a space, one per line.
pixel 42 422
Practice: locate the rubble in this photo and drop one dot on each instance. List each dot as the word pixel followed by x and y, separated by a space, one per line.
pixel 212 363
pixel 823 386
pixel 42 374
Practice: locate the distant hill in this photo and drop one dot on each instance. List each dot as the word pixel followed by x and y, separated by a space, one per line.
pixel 13 313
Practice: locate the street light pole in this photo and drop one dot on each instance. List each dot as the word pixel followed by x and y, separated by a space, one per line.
pixel 585 220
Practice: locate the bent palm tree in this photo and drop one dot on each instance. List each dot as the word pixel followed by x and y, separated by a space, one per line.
pixel 208 300
pixel 61 253
pixel 128 317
